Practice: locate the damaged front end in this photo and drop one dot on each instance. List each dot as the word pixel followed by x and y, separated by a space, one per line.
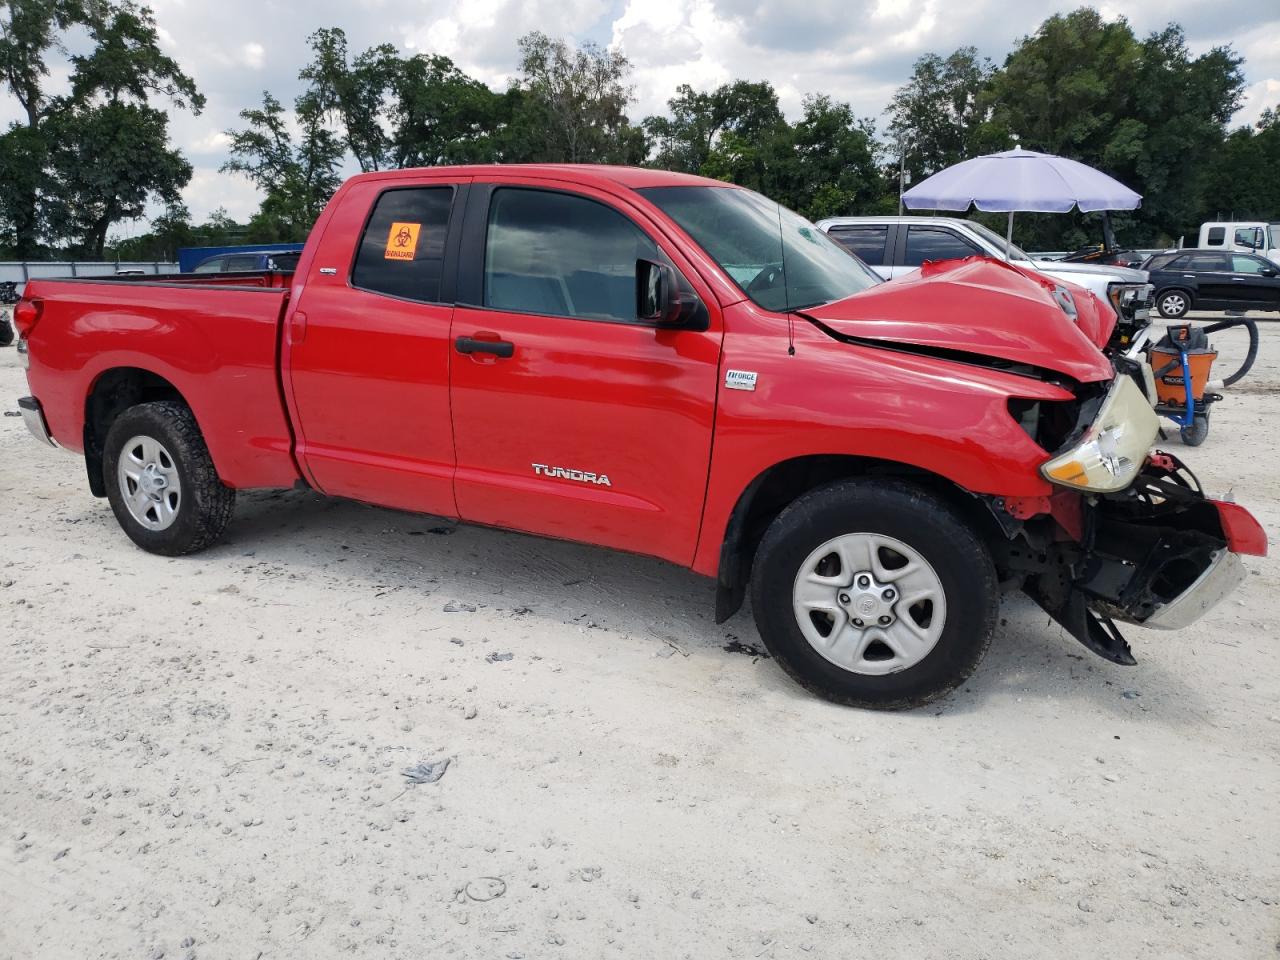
pixel 1129 537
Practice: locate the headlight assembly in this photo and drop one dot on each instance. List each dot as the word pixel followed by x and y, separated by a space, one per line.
pixel 1114 448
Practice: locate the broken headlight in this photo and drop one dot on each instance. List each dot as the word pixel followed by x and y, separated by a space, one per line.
pixel 1115 446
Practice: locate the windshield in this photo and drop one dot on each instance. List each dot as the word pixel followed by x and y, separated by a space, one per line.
pixel 779 259
pixel 997 241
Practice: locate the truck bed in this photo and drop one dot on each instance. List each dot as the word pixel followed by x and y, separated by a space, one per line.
pixel 214 337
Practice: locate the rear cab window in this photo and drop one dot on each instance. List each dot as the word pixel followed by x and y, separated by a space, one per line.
pixel 935 243
pixel 1217 237
pixel 401 252
pixel 868 242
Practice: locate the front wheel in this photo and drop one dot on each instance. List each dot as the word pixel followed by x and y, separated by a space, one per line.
pixel 161 482
pixel 1195 433
pixel 874 594
pixel 1173 304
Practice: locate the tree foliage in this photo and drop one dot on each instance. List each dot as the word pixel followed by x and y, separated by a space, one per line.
pixel 297 178
pixel 937 118
pixel 89 159
pixel 574 103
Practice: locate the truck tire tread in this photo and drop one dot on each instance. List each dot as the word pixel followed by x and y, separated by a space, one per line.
pixel 887 506
pixel 210 502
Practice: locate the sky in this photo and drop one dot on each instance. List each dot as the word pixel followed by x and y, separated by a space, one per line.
pixel 855 50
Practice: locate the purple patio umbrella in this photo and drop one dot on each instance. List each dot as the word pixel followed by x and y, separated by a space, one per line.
pixel 1020 180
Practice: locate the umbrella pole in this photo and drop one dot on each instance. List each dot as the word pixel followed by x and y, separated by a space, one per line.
pixel 1008 237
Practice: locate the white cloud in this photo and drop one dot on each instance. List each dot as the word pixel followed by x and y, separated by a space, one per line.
pixel 855 50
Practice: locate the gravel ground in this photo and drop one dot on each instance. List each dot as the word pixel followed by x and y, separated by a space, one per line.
pixel 206 757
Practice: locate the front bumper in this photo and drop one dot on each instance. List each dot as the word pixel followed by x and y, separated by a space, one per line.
pixel 1225 572
pixel 1160 554
pixel 33 417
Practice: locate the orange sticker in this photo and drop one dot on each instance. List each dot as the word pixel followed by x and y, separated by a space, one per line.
pixel 402 241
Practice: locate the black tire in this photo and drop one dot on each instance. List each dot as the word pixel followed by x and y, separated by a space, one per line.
pixel 1167 304
pixel 6 331
pixel 921 521
pixel 1195 433
pixel 207 503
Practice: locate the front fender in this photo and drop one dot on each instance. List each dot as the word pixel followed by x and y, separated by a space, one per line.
pixel 943 417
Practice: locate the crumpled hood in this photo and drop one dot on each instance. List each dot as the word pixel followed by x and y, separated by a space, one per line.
pixel 980 306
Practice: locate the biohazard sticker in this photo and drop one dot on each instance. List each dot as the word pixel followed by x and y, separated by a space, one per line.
pixel 402 241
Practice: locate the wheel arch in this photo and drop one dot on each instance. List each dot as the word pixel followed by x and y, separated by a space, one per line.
pixel 775 488
pixel 112 392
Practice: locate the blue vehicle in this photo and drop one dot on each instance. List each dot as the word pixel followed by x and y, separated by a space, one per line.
pixel 282 261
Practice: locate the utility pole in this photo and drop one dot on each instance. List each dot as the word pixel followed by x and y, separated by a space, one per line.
pixel 902 169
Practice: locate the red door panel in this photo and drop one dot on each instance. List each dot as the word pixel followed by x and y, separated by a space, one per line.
pixel 629 404
pixel 368 372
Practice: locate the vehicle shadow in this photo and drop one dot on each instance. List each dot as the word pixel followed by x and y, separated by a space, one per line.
pixel 372 549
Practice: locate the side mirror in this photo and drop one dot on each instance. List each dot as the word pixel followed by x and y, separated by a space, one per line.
pixel 659 298
pixel 1267 272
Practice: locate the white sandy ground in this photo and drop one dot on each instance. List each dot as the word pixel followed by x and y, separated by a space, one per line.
pixel 203 757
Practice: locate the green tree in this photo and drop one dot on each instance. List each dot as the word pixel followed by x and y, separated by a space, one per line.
pixel 354 93
pixel 937 117
pixel 1243 183
pixel 574 108
pixel 297 179
pixel 109 149
pixel 440 115
pixel 30 30
pixel 1145 112
pixel 835 167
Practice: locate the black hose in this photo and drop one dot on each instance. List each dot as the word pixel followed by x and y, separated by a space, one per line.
pixel 1251 356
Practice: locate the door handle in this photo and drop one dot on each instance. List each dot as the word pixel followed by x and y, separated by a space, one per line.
pixel 297 327
pixel 499 348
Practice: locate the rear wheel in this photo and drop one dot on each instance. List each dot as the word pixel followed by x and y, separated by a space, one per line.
pixel 874 594
pixel 161 482
pixel 1173 304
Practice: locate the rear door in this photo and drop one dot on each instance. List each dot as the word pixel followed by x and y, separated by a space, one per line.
pixel 367 348
pixel 572 418
pixel 1213 277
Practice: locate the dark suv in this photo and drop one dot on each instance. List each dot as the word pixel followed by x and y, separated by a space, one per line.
pixel 1212 280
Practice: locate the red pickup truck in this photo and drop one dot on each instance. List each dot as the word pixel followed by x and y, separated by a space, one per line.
pixel 663 364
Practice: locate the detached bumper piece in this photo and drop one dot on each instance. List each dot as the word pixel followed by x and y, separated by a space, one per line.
pixel 1160 554
pixel 33 417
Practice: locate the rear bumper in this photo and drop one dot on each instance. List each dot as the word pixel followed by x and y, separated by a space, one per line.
pixel 33 417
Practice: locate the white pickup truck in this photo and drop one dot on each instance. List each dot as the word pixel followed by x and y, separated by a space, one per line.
pixel 892 246
pixel 1243 236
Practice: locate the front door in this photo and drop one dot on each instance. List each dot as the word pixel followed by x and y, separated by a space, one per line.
pixel 572 418
pixel 1256 282
pixel 367 350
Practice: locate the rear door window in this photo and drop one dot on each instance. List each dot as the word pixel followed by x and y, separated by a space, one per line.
pixel 1207 262
pixel 1162 261
pixel 868 242
pixel 216 265
pixel 401 252
pixel 935 243
pixel 562 255
pixel 235 264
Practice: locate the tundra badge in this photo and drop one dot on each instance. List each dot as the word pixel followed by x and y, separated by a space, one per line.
pixel 740 379
pixel 581 476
